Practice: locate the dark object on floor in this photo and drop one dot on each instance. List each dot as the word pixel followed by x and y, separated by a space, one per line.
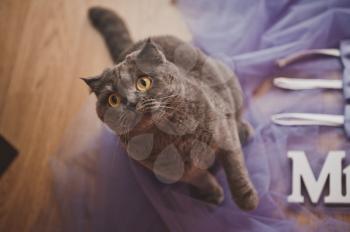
pixel 7 154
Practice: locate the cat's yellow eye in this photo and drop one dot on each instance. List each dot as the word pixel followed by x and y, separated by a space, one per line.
pixel 114 100
pixel 144 83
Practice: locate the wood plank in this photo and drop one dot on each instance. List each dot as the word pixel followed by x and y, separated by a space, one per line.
pixel 46 46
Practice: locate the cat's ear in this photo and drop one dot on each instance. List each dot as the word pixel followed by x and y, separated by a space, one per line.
pixel 93 83
pixel 150 54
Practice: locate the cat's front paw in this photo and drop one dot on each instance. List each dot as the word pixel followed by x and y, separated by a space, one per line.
pixel 249 201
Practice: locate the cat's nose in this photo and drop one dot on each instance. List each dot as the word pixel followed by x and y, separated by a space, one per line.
pixel 130 105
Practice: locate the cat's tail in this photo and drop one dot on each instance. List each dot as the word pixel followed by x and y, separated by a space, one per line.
pixel 113 30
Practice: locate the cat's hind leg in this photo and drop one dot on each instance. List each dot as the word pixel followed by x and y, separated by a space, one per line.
pixel 204 186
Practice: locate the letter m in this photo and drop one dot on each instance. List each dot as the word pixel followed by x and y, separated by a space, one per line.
pixel 332 168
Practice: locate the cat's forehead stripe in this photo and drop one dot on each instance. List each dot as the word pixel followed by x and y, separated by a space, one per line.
pixel 124 74
pixel 109 87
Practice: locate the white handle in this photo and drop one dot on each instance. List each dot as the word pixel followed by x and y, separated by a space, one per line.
pixel 299 84
pixel 302 54
pixel 303 119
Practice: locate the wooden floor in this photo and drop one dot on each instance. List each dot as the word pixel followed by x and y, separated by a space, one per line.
pixel 45 46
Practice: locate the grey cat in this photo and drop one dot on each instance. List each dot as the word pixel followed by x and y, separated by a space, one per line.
pixel 175 109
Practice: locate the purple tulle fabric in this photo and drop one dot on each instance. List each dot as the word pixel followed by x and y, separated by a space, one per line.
pixel 99 188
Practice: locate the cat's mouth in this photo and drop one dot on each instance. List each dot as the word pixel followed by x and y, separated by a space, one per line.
pixel 153 111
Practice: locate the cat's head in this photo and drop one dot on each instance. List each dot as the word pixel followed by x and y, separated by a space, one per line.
pixel 139 90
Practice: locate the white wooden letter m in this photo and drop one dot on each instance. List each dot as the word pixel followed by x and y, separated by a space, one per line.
pixel 332 169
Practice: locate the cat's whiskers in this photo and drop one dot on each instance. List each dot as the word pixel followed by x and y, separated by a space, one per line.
pixel 160 107
pixel 165 97
pixel 124 131
pixel 158 98
pixel 152 104
pixel 149 103
pixel 163 110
